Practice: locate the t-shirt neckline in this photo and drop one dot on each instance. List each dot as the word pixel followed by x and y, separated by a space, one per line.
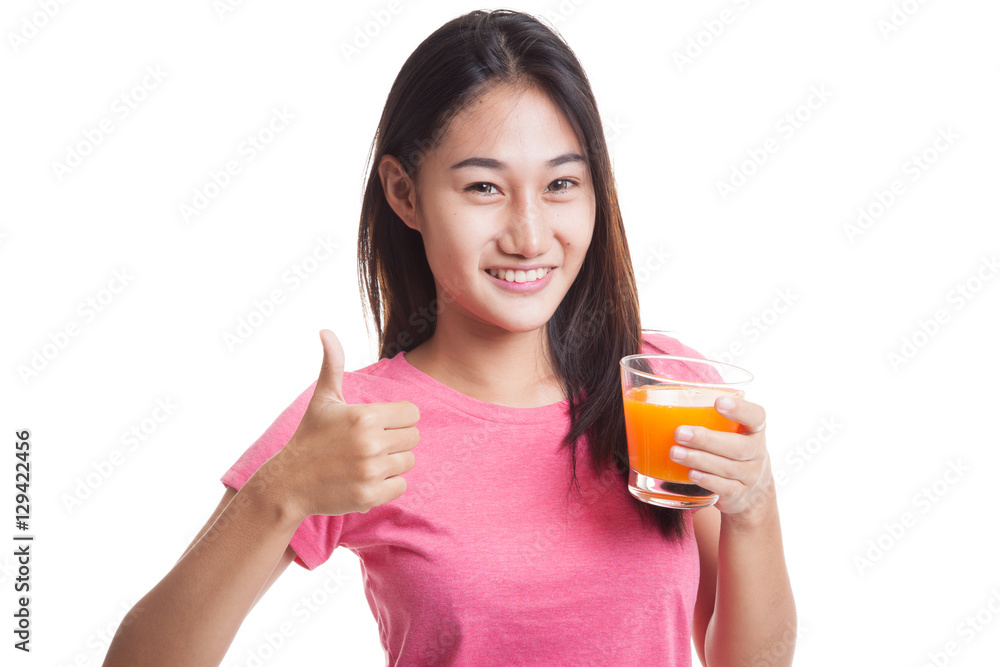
pixel 475 407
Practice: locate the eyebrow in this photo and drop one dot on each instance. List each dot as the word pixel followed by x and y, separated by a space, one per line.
pixel 497 165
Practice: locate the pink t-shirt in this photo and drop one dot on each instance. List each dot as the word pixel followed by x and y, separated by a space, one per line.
pixel 486 559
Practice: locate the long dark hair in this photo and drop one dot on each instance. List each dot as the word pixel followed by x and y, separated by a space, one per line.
pixel 598 321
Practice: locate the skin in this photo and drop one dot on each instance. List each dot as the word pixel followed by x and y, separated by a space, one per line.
pixel 487 341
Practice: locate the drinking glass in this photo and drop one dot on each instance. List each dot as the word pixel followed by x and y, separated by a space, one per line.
pixel 661 392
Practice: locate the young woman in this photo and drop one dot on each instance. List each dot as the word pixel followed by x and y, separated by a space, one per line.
pixel 494 258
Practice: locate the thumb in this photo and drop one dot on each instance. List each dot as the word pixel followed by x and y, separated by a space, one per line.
pixel 331 373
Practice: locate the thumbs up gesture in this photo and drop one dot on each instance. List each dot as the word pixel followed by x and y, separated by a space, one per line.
pixel 344 458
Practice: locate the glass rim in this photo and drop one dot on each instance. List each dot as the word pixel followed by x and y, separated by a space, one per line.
pixel 711 362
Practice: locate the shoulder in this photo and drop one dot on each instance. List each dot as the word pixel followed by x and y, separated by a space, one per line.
pixel 658 343
pixel 382 381
pixel 369 384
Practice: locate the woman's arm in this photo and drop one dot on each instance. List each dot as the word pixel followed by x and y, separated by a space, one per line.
pixel 745 614
pixel 192 615
pixel 342 458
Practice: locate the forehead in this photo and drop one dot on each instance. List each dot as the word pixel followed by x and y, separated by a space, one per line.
pixel 516 123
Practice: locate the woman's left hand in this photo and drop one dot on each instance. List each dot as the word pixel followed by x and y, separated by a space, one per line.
pixel 734 465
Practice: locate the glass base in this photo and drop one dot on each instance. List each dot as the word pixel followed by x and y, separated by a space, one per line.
pixel 668 494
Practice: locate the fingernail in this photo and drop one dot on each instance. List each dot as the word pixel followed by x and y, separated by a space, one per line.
pixel 726 403
pixel 695 475
pixel 678 453
pixel 683 434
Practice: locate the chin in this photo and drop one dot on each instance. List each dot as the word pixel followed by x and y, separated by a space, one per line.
pixel 524 325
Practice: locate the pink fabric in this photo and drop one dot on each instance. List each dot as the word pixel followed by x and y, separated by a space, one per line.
pixel 486 559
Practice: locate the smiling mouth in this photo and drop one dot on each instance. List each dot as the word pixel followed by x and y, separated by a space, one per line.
pixel 512 276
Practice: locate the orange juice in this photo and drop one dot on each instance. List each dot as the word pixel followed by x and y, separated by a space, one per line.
pixel 653 413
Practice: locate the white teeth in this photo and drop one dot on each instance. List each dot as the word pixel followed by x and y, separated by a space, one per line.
pixel 512 276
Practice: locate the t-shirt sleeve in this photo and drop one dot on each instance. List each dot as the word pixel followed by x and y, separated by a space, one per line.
pixel 318 535
pixel 662 344
pixel 656 343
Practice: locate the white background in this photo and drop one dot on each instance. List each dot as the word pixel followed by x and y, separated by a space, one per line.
pixel 869 588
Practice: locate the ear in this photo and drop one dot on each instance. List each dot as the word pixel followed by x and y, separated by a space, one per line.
pixel 399 189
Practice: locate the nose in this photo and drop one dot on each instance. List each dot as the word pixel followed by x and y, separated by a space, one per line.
pixel 526 230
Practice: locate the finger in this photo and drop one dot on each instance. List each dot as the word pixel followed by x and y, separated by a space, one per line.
pixel 399 440
pixel 390 489
pixel 735 446
pixel 399 463
pixel 330 384
pixel 399 414
pixel 750 415
pixel 724 486
pixel 713 464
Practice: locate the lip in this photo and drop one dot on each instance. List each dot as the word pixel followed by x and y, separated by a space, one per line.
pixel 533 286
pixel 520 268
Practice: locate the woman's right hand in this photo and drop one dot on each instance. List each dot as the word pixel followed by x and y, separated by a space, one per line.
pixel 342 458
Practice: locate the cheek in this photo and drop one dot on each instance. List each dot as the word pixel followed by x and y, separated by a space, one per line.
pixel 451 243
pixel 578 238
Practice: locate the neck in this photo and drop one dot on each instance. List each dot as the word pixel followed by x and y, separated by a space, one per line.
pixel 491 365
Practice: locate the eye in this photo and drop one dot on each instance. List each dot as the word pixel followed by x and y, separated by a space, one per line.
pixel 567 182
pixel 477 188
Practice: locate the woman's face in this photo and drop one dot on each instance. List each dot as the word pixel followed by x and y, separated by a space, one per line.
pixel 508 187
